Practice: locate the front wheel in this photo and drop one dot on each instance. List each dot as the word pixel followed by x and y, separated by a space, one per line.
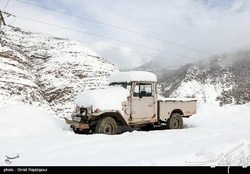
pixel 175 121
pixel 107 126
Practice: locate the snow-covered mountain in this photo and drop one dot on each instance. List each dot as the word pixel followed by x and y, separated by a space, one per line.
pixel 219 80
pixel 158 66
pixel 47 71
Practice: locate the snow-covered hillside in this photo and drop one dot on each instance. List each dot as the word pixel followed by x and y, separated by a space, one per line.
pixel 218 80
pixel 215 136
pixel 47 71
pixel 206 90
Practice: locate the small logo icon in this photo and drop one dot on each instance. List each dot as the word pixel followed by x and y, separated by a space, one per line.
pixel 8 159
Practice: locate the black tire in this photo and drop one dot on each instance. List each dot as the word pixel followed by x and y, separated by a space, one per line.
pixel 175 121
pixel 106 125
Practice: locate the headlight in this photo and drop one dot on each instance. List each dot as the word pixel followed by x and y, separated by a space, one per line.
pixel 77 110
pixel 83 111
pixel 89 110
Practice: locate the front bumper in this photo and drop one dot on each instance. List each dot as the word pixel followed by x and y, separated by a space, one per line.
pixel 75 124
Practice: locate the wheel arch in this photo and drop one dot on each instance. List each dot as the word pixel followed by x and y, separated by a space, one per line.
pixel 179 111
pixel 116 116
pixel 175 121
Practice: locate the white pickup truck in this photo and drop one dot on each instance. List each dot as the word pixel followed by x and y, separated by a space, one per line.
pixel 130 102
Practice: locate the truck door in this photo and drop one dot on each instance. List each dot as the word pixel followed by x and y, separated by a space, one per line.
pixel 143 106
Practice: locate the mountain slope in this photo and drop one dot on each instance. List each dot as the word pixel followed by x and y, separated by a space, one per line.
pixel 218 80
pixel 47 71
pixel 158 66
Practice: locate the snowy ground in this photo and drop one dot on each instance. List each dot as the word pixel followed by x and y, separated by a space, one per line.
pixel 215 134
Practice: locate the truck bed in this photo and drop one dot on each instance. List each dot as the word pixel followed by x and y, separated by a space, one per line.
pixel 186 106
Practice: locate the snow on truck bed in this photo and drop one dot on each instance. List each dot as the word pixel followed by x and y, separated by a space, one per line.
pixel 161 98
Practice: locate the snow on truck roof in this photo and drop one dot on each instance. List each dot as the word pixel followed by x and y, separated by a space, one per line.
pixel 129 76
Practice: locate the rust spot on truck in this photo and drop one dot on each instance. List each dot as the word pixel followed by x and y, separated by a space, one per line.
pixel 153 119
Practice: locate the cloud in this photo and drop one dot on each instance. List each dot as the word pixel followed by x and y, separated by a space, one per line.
pixel 207 25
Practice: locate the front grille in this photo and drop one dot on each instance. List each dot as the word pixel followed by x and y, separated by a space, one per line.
pixel 78 119
pixel 83 111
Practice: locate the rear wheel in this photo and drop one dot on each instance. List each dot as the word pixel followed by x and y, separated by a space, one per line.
pixel 175 121
pixel 106 125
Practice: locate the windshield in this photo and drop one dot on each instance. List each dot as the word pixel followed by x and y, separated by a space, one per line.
pixel 121 84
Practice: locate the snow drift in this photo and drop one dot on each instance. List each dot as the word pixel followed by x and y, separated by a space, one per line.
pixel 26 121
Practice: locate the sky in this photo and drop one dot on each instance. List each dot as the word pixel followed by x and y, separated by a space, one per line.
pixel 132 32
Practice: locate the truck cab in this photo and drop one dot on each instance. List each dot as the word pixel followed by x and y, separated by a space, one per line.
pixel 130 101
pixel 141 104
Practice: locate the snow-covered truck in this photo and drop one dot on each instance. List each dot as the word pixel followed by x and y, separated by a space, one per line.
pixel 129 102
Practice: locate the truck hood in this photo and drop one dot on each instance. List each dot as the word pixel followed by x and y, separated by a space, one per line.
pixel 110 98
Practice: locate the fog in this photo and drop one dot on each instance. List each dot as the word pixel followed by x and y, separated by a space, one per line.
pixel 132 32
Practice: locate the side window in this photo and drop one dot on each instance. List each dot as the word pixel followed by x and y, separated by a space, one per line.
pixel 143 90
pixel 137 90
pixel 146 90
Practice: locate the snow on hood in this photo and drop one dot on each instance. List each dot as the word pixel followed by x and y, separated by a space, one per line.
pixel 133 76
pixel 110 98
